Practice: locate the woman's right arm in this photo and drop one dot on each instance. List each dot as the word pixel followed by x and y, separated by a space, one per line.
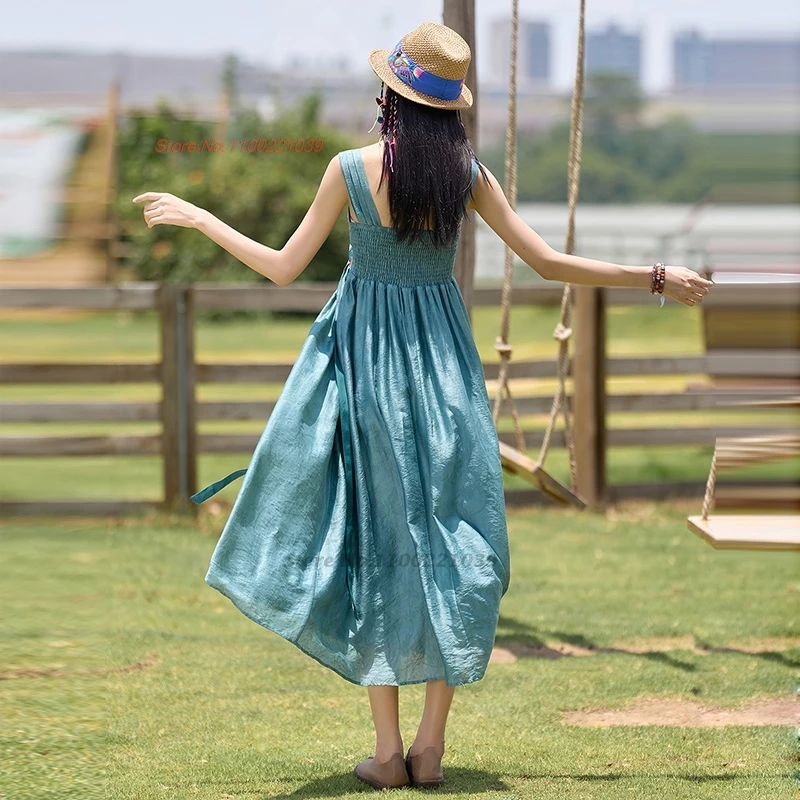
pixel 489 200
pixel 280 266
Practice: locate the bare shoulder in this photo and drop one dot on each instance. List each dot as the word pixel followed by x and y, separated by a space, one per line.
pixel 336 161
pixel 483 188
pixel 371 153
pixel 333 182
pixel 485 183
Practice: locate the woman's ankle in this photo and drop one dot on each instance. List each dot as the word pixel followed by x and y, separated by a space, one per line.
pixel 420 743
pixel 384 751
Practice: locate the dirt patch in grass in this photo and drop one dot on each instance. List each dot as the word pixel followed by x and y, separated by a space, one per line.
pixel 773 645
pixel 147 661
pixel 513 651
pixel 10 674
pixel 689 714
pixel 54 672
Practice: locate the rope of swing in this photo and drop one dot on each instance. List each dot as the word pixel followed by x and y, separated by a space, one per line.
pixel 562 330
pixel 502 344
pixel 730 453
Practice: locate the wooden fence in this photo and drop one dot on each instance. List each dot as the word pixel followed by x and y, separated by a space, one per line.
pixel 178 373
pixel 175 411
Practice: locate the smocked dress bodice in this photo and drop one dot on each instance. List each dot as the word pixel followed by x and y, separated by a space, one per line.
pixel 375 251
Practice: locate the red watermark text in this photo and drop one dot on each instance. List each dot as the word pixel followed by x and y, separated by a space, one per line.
pixel 241 146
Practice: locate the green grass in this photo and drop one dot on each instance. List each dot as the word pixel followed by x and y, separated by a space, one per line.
pixel 111 336
pixel 164 690
pixel 140 477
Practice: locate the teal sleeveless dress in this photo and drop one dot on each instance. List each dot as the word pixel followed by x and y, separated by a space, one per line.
pixel 370 527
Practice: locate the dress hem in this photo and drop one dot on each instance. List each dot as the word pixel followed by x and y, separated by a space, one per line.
pixel 270 627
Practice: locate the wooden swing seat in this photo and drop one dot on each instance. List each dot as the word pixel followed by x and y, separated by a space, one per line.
pixel 748 531
pixel 516 460
pixel 525 467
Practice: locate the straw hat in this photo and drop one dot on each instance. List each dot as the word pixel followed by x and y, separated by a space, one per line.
pixel 428 66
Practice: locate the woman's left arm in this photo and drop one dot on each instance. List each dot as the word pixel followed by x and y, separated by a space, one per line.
pixel 280 266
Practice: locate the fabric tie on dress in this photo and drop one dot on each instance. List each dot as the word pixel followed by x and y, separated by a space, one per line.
pixel 217 486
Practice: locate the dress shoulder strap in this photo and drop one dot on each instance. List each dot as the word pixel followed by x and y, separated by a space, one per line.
pixel 474 170
pixel 355 178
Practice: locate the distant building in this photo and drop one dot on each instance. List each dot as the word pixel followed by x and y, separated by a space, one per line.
pixel 83 79
pixel 192 87
pixel 613 50
pixel 735 64
pixel 533 51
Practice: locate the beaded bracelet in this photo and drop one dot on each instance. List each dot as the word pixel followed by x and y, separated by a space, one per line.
pixel 657 280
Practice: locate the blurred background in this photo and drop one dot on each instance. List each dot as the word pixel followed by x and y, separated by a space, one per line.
pixel 688 103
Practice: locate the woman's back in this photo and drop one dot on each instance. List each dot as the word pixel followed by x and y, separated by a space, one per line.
pixel 375 251
pixel 372 161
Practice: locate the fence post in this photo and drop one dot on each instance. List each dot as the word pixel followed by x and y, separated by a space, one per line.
pixel 460 16
pixel 188 400
pixel 179 434
pixel 589 381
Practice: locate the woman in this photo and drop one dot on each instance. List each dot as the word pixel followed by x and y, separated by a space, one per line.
pixel 370 529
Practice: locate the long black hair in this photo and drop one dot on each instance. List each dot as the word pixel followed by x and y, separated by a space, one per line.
pixel 427 161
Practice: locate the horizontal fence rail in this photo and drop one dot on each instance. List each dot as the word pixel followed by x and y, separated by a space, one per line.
pixel 312 296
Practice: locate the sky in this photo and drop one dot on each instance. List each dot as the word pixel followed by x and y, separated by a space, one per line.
pixel 272 32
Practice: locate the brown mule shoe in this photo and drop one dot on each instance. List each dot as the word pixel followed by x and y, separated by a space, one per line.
pixel 425 768
pixel 389 774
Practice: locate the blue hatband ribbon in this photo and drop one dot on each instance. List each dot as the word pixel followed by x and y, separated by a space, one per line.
pixel 420 79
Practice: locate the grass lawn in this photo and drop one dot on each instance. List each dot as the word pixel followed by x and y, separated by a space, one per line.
pixel 128 336
pixel 126 676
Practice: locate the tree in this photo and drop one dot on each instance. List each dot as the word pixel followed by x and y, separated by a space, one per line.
pixel 258 186
pixel 612 105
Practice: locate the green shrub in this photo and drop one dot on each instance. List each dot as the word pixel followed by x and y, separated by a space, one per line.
pixel 263 195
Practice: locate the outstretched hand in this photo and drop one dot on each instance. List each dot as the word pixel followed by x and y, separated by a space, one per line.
pixel 163 208
pixel 685 285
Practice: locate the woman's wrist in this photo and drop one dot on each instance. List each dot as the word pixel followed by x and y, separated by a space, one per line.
pixel 638 277
pixel 201 219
